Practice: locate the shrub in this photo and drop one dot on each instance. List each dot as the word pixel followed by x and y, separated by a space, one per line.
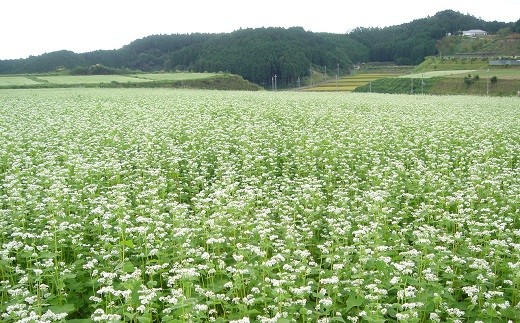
pixel 468 79
pixel 80 70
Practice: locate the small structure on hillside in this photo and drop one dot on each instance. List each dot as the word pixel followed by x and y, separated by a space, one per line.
pixel 474 32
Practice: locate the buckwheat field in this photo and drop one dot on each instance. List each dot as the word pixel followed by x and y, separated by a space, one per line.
pixel 153 205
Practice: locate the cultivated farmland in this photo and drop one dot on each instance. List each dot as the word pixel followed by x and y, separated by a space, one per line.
pixel 437 74
pixel 149 205
pixel 6 81
pixel 347 83
pixel 179 79
pixel 87 79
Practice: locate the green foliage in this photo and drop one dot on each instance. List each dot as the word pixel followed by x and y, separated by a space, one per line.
pixel 494 79
pixel 516 27
pixel 504 31
pixel 259 54
pixel 503 43
pixel 410 43
pixel 471 79
pixel 468 79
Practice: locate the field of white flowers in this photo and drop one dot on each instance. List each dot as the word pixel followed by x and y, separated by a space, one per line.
pixel 191 206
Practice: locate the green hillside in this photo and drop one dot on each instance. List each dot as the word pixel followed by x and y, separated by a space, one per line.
pixel 500 44
pixel 257 54
pixel 487 80
pixel 410 43
pixel 449 64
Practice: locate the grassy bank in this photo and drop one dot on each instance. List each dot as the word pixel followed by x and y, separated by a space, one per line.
pixel 445 64
pixel 443 86
pixel 197 81
pixel 400 86
pixel 451 85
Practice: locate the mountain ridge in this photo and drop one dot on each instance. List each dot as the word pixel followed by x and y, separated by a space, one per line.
pixel 258 54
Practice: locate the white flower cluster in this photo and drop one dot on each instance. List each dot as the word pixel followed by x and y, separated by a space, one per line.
pixel 162 205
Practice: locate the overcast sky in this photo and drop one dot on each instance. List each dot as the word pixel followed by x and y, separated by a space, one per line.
pixel 34 27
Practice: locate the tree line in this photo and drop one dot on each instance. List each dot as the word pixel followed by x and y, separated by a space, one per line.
pixel 259 54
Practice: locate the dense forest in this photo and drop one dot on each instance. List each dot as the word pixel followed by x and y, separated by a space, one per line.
pixel 258 54
pixel 410 43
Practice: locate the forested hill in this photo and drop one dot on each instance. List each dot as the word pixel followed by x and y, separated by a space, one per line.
pixel 255 54
pixel 410 43
pixel 258 54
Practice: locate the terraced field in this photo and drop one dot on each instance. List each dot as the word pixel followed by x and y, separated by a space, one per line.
pixel 347 83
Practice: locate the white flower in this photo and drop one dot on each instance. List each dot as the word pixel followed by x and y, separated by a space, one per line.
pixel 201 307
pixel 228 285
pixel 327 301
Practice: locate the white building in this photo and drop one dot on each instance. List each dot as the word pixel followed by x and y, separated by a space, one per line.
pixel 474 32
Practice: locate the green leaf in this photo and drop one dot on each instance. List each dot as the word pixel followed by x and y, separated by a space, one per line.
pixel 491 312
pixel 128 267
pixel 68 276
pixel 127 243
pixel 47 255
pixel 67 308
pixel 144 319
pixel 510 313
pixel 353 301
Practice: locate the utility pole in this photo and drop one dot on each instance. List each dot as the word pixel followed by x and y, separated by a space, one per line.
pixel 325 70
pixel 275 85
pixel 337 76
pixel 487 92
pixel 411 88
pixel 422 83
pixel 299 82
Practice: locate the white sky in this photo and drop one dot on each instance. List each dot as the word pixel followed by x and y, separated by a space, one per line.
pixel 34 27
